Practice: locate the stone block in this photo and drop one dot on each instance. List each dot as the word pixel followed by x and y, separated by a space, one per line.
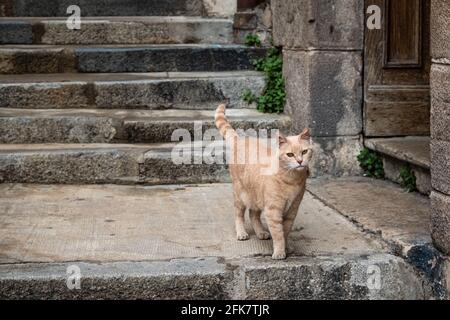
pixel 393 167
pixel 167 58
pixel 324 92
pixel 107 126
pixel 125 91
pixel 333 279
pixel 336 156
pixel 69 166
pixel 154 30
pixel 164 58
pixel 175 279
pixel 160 130
pixel 318 24
pixel 201 93
pixel 39 60
pixel 159 168
pixel 245 21
pixel 222 8
pixel 440 166
pixel 41 95
pixel 60 129
pixel 440 102
pixel 440 221
pixel 16 32
pixel 440 31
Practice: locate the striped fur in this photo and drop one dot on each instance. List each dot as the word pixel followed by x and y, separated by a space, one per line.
pixel 225 128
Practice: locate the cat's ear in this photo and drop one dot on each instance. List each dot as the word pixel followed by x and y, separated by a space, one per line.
pixel 281 139
pixel 305 135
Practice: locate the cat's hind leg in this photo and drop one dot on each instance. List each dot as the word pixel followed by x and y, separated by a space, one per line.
pixel 255 218
pixel 239 220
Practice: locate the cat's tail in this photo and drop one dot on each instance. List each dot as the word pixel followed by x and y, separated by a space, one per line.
pixel 225 128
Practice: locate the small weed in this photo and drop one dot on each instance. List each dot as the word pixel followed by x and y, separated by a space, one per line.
pixel 252 40
pixel 249 97
pixel 273 98
pixel 408 179
pixel 371 163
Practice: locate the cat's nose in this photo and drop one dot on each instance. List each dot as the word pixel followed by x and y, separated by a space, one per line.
pixel 300 161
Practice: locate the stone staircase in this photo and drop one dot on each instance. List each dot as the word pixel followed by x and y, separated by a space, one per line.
pixel 121 85
pixel 87 177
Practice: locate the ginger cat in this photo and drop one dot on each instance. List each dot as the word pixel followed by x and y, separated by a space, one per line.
pixel 279 194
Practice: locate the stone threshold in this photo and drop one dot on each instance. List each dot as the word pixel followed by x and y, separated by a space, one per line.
pixel 414 150
pixel 401 152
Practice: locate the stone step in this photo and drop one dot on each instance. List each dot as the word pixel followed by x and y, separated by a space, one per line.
pixel 399 218
pixel 21 126
pixel 178 242
pixel 398 153
pixel 129 90
pixel 19 59
pixel 52 8
pixel 109 164
pixel 117 30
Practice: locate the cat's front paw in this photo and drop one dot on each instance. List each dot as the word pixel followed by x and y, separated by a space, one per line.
pixel 279 256
pixel 243 236
pixel 263 235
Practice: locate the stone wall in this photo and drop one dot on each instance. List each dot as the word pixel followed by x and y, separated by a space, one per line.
pixel 322 46
pixel 220 8
pixel 255 21
pixel 440 123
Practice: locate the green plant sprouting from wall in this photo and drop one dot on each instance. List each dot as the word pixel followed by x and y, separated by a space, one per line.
pixel 273 98
pixel 408 179
pixel 371 164
pixel 252 40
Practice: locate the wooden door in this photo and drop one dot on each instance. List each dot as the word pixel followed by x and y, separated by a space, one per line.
pixel 397 70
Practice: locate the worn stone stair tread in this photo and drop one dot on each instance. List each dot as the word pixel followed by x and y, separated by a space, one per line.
pixel 174 90
pixel 119 19
pixel 104 126
pixel 61 147
pixel 407 152
pixel 116 30
pixel 124 76
pixel 145 115
pixel 156 239
pixel 30 47
pixel 98 8
pixel 19 59
pixel 102 163
pixel 415 150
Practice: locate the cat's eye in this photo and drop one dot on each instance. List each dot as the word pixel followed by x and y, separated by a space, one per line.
pixel 290 155
pixel 304 152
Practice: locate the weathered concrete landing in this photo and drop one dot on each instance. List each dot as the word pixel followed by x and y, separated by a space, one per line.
pixel 117 223
pixel 178 242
